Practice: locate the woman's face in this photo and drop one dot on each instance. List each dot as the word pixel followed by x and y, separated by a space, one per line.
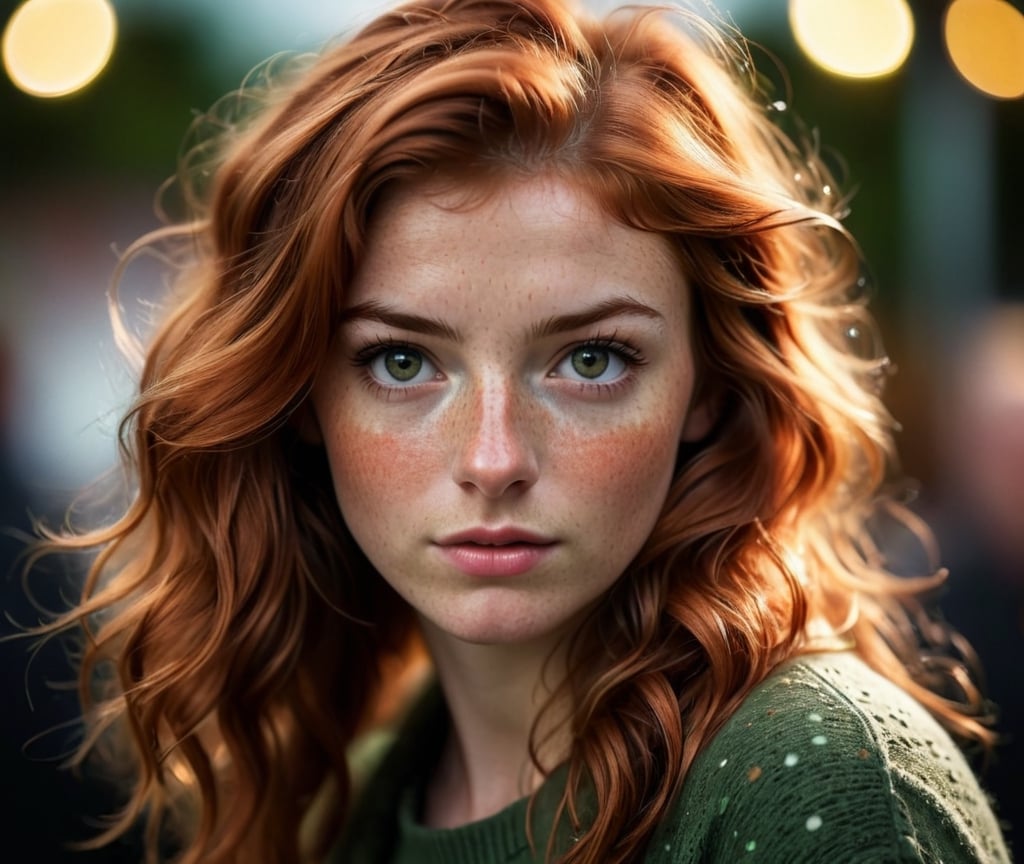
pixel 504 402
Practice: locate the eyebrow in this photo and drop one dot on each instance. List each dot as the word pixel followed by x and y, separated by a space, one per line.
pixel 613 307
pixel 384 314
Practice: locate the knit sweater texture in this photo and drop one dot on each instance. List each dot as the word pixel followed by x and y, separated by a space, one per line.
pixel 825 761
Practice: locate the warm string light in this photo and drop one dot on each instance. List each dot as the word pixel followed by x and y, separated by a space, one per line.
pixel 854 38
pixel 56 47
pixel 985 41
pixel 871 38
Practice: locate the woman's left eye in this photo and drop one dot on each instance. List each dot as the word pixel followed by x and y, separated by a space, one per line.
pixel 592 364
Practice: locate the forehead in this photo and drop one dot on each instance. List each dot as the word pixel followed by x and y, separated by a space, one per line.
pixel 541 200
pixel 536 234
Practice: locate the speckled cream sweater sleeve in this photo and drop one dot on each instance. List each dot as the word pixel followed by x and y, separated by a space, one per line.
pixel 827 761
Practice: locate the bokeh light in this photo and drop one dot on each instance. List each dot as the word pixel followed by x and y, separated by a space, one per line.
pixel 854 38
pixel 55 47
pixel 985 40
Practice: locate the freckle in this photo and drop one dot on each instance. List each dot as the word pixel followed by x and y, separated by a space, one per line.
pixel 754 773
pixel 863 753
pixel 770 712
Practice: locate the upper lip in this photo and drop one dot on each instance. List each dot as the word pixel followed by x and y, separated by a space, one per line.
pixel 505 536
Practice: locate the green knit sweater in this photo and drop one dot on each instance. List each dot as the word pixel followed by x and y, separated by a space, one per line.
pixel 825 761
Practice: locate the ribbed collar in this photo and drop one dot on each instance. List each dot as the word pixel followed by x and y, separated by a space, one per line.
pixel 498 838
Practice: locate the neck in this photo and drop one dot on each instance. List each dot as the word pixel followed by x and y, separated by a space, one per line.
pixel 495 694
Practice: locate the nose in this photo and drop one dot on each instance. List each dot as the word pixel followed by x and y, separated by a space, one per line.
pixel 495 454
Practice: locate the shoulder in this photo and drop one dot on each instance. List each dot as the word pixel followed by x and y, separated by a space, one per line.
pixel 386 766
pixel 828 761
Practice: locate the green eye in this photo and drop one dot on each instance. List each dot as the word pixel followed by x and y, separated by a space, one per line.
pixel 403 364
pixel 589 361
pixel 397 367
pixel 597 363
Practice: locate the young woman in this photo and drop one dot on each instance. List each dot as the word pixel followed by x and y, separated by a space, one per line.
pixel 526 350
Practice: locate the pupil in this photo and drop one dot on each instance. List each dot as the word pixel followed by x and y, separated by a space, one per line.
pixel 590 362
pixel 403 365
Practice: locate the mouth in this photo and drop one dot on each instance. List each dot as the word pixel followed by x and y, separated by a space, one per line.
pixel 485 552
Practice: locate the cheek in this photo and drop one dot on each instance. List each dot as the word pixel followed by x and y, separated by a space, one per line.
pixel 376 472
pixel 627 470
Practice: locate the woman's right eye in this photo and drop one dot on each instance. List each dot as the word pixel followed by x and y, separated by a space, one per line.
pixel 401 366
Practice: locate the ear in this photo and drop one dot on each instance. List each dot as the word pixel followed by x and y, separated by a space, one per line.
pixel 700 418
pixel 306 423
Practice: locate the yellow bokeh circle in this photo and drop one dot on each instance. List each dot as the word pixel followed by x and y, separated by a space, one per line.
pixel 854 38
pixel 985 40
pixel 55 47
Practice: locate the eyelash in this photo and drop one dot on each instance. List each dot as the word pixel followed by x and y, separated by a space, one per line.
pixel 368 353
pixel 631 356
pixel 613 343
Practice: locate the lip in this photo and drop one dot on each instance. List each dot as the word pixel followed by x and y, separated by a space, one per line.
pixel 503 536
pixel 493 552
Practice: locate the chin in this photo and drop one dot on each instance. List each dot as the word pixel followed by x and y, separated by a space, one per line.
pixel 500 621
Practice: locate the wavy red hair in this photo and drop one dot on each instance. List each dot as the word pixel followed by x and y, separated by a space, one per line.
pixel 238 638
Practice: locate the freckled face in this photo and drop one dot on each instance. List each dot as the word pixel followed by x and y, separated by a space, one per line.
pixel 504 402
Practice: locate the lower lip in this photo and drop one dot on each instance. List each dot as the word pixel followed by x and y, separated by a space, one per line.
pixel 511 560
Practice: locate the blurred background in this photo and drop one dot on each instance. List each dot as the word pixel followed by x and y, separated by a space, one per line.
pixel 918 105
